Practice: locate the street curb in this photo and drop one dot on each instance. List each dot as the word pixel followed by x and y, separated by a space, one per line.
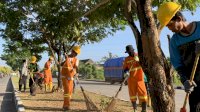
pixel 18 103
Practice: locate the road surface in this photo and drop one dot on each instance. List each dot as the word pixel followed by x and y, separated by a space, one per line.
pixel 6 95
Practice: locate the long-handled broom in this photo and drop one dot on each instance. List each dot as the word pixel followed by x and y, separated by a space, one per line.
pixel 183 109
pixel 89 103
pixel 112 103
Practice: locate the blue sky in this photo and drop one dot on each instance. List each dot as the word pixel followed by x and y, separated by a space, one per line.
pixel 116 43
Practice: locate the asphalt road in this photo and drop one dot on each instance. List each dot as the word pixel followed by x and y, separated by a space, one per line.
pixel 6 98
pixel 107 89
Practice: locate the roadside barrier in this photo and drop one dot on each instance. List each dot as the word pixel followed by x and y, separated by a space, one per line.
pixel 18 103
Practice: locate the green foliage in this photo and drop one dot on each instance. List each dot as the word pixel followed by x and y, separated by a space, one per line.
pixel 185 4
pixel 100 74
pixel 56 23
pixel 15 52
pixel 176 79
pixel 5 70
pixel 90 71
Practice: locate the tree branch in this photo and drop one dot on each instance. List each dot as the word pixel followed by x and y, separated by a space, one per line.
pixel 92 10
pixel 128 15
pixel 52 51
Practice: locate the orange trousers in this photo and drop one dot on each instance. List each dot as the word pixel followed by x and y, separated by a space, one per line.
pixel 136 86
pixel 68 89
pixel 48 79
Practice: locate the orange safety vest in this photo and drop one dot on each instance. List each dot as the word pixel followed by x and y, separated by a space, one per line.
pixel 136 83
pixel 47 69
pixel 132 63
pixel 69 67
pixel 68 72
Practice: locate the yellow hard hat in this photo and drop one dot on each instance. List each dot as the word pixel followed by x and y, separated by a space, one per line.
pixel 77 49
pixel 51 58
pixel 33 59
pixel 166 12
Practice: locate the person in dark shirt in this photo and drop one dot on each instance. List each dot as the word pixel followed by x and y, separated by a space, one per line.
pixel 33 71
pixel 184 47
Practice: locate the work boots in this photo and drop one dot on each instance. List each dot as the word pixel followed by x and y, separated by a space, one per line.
pixel 134 104
pixel 144 107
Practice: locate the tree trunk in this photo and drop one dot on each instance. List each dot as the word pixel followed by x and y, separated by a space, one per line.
pixel 153 60
pixel 59 77
pixel 161 88
pixel 59 71
pixel 53 48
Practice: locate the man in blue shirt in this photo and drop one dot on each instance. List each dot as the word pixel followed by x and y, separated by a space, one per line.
pixel 184 46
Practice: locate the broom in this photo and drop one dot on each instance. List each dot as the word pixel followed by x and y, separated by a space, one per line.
pixel 111 105
pixel 183 109
pixel 89 103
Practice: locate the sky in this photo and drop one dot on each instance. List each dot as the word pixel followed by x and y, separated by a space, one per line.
pixel 116 43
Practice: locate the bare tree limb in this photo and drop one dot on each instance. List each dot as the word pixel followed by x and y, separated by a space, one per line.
pixel 128 15
pixel 96 7
pixel 52 51
pixel 103 2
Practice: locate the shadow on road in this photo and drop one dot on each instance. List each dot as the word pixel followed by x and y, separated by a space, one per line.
pixel 40 99
pixel 8 104
pixel 52 109
pixel 43 108
pixel 93 82
pixel 74 100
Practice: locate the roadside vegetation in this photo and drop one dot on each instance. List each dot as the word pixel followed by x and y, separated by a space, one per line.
pixel 5 70
pixel 91 71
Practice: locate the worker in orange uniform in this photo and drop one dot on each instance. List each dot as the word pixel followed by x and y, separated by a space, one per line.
pixel 48 75
pixel 69 70
pixel 136 85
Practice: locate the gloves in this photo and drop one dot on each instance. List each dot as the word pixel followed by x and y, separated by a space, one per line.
pixel 45 76
pixel 76 75
pixel 189 86
pixel 197 47
pixel 76 78
pixel 126 74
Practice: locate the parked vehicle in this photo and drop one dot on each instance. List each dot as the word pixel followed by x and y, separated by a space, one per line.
pixel 113 70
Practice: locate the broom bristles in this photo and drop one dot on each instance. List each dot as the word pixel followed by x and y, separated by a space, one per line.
pixel 111 105
pixel 89 103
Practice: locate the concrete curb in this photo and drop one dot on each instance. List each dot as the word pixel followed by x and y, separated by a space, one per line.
pixel 18 103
